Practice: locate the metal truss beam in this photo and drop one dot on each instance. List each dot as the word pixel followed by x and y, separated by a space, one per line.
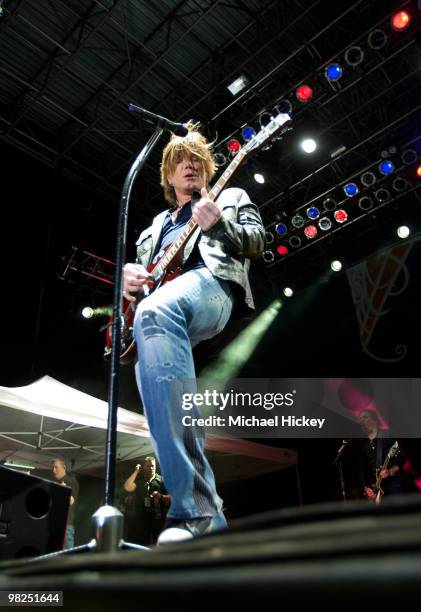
pixel 142 75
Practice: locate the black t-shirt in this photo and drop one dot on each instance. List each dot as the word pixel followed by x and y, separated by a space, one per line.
pixel 71 482
pixel 144 489
pixel 171 230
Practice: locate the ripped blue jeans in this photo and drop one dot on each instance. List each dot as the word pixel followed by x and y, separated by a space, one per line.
pixel 168 323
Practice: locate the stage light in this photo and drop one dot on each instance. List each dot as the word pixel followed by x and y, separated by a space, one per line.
pixel 259 178
pixel 409 156
pixel 386 167
pixel 368 179
pixel 377 39
pixel 87 312
pixel 265 118
pixel 329 204
pixel 313 212
pixel 220 159
pixel 288 292
pixel 269 237
pixel 403 231
pixel 382 195
pixel 238 85
pixel 310 231
pixel 340 215
pixel 325 224
pixel 304 93
pixel 248 133
pixel 284 106
pixel 419 171
pixel 294 242
pixel 351 189
pixel 336 265
pixel 268 256
pixel 297 221
pixel 400 20
pixel 400 183
pixel 354 56
pixel 281 228
pixel 308 145
pixel 282 250
pixel 333 72
pixel 365 203
pixel 233 146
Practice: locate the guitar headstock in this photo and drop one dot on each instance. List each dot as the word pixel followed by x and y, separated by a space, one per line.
pixel 272 129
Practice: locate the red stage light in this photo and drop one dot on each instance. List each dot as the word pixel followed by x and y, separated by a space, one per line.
pixel 419 171
pixel 234 146
pixel 282 250
pixel 340 215
pixel 400 20
pixel 310 231
pixel 304 93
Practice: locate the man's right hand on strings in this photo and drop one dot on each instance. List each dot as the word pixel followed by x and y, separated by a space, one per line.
pixel 135 276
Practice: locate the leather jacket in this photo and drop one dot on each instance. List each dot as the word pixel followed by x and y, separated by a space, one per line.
pixel 226 248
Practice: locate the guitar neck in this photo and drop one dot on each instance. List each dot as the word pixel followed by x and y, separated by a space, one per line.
pixel 160 269
pixel 390 455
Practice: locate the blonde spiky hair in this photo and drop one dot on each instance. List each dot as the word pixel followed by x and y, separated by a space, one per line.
pixel 194 144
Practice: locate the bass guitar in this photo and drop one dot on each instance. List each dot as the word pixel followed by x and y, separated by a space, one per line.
pixel 169 266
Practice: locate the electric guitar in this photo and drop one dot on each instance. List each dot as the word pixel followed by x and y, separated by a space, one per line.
pixel 377 487
pixel 169 266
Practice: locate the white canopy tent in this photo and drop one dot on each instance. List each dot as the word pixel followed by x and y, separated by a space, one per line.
pixel 48 418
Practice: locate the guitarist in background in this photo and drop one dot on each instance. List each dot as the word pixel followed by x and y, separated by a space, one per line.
pixel 374 452
pixel 194 306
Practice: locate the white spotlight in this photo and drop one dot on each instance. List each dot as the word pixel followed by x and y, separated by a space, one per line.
pixel 336 265
pixel 308 145
pixel 239 84
pixel 288 292
pixel 403 231
pixel 259 178
pixel 87 312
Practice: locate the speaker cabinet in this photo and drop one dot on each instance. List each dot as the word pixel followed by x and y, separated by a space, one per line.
pixel 33 514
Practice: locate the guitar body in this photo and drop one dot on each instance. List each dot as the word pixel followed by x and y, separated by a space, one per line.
pixel 128 351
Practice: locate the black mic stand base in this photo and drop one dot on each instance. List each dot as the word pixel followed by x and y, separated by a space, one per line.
pixel 108 529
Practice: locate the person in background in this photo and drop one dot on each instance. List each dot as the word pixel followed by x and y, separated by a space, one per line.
pixel 59 469
pixel 151 501
pixel 374 451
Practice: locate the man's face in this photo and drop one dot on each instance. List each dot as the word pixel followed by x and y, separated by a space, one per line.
pixel 187 176
pixel 59 471
pixel 367 422
pixel 149 469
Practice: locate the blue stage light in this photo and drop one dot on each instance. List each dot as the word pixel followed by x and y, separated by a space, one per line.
pixel 248 133
pixel 351 189
pixel 386 167
pixel 333 72
pixel 313 212
pixel 281 228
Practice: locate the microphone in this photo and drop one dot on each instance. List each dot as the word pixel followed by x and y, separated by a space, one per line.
pixel 179 129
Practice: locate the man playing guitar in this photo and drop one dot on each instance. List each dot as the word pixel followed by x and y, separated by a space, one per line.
pixel 381 461
pixel 209 277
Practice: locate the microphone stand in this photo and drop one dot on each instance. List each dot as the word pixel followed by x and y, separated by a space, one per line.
pixel 338 462
pixel 108 521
